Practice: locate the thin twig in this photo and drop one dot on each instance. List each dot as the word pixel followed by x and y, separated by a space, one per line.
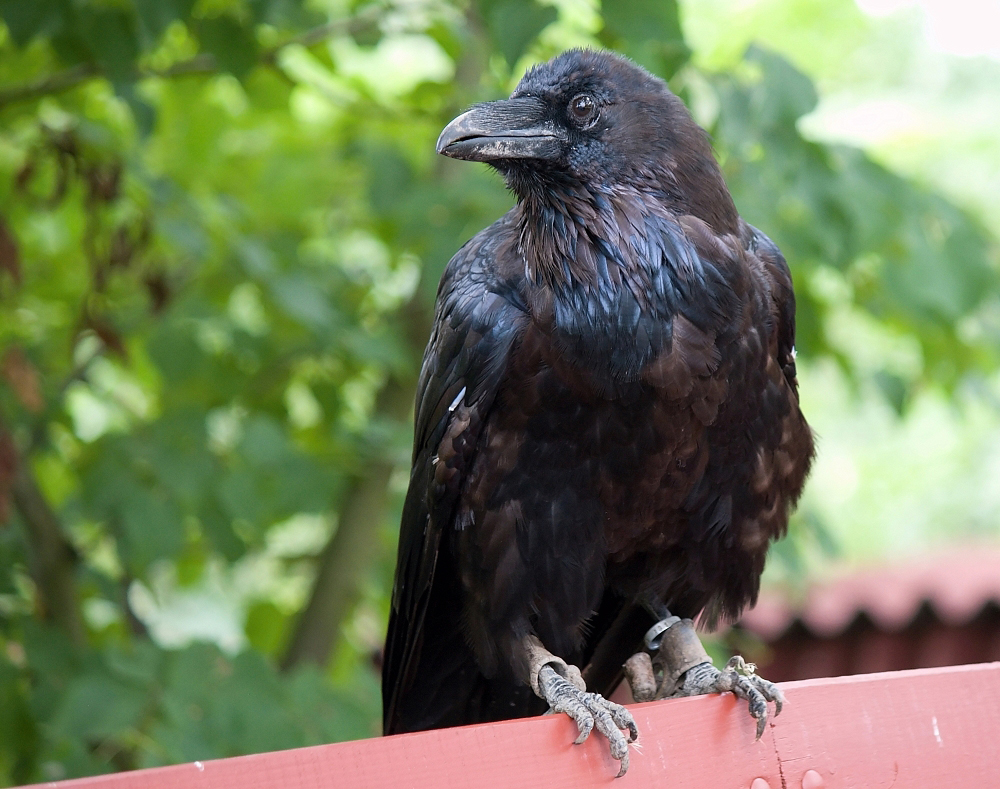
pixel 54 83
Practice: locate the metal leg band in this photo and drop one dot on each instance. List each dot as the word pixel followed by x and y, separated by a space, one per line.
pixel 680 650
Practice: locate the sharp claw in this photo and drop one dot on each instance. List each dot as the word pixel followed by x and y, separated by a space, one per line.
pixel 624 767
pixel 739 678
pixel 622 719
pixel 590 710
pixel 770 692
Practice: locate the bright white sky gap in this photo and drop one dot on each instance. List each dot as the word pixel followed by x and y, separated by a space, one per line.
pixel 958 27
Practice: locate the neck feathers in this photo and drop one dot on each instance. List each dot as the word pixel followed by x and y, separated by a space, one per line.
pixel 572 237
pixel 571 234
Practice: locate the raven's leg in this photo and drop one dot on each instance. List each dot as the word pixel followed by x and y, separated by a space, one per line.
pixel 681 667
pixel 562 687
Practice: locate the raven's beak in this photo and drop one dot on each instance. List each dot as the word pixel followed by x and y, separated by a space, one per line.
pixel 510 129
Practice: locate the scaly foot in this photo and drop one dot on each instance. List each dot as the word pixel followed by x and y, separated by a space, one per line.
pixel 739 678
pixel 590 710
pixel 563 689
pixel 681 667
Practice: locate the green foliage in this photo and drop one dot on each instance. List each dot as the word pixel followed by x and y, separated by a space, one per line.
pixel 221 229
pixel 906 256
pixel 649 32
pixel 514 24
pixel 134 705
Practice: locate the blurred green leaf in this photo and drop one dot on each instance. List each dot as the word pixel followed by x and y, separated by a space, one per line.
pixel 913 258
pixel 514 24
pixel 265 627
pixel 155 17
pixel 648 31
pixel 233 45
pixel 785 94
pixel 150 528
pixel 19 737
pixel 110 35
pixel 25 20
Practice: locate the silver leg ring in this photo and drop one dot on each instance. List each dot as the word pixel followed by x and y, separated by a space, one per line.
pixel 654 635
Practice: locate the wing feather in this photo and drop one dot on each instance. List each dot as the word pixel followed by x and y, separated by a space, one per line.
pixel 477 322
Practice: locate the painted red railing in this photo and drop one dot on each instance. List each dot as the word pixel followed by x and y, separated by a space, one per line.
pixel 926 728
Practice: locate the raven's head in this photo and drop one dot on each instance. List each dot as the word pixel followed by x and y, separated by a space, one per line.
pixel 596 120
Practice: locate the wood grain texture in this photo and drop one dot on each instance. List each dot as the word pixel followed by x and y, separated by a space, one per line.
pixel 925 728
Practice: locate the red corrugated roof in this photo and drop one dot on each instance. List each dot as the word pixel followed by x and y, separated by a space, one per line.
pixel 956 584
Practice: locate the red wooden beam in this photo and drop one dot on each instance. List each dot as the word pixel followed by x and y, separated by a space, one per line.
pixel 924 728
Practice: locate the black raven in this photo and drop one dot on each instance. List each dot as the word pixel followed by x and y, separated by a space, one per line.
pixel 607 420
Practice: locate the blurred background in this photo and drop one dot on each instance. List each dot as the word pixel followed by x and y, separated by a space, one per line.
pixel 222 224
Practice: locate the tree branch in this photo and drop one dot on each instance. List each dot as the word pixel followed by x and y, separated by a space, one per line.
pixel 350 552
pixel 52 560
pixel 203 63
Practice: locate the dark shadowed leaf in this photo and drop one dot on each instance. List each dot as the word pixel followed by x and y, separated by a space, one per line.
pixel 19 737
pixel 156 15
pixel 513 24
pixel 142 111
pixel 151 527
pixel 27 18
pixel 649 31
pixel 233 45
pixel 301 300
pixel 786 95
pixel 111 36
pixel 284 13
pixel 218 527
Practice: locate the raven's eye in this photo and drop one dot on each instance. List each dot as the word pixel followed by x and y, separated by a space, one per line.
pixel 583 108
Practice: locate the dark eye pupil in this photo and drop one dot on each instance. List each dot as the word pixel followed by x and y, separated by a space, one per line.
pixel 582 106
